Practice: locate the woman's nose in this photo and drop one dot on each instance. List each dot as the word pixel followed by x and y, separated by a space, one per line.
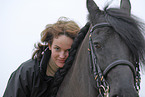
pixel 62 55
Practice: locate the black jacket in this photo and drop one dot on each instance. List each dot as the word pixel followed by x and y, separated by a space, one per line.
pixel 30 79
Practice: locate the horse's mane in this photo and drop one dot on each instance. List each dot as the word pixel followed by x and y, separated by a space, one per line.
pixel 60 74
pixel 130 29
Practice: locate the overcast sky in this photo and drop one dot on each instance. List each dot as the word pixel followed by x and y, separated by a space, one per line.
pixel 21 22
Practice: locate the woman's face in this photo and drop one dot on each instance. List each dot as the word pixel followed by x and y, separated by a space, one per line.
pixel 60 49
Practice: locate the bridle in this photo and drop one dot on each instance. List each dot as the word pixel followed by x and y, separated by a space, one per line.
pixel 101 83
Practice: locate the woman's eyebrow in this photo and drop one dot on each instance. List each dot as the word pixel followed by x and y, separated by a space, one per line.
pixel 56 45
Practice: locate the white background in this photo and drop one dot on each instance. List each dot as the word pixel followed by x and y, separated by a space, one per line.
pixel 21 22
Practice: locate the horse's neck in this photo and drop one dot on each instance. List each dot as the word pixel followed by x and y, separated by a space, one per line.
pixel 77 82
pixel 81 60
pixel 80 65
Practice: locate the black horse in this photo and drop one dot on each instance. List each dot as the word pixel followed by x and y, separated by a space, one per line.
pixel 108 59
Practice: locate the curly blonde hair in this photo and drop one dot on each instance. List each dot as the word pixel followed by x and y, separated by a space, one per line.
pixel 63 26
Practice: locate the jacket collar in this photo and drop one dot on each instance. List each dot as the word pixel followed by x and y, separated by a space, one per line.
pixel 44 61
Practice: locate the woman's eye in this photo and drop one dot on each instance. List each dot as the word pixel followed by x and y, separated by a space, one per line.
pixel 57 48
pixel 68 50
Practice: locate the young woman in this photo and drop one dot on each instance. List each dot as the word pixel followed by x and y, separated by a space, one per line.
pixel 33 77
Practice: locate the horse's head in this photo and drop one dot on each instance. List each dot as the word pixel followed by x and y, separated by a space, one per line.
pixel 118 45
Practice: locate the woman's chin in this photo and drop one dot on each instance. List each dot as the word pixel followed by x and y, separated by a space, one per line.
pixel 60 65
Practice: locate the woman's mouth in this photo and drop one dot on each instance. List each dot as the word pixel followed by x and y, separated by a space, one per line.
pixel 61 61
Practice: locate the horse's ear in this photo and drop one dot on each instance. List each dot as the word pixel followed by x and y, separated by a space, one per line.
pixel 126 6
pixel 93 9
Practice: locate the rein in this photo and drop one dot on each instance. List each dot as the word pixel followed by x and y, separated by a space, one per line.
pixel 101 83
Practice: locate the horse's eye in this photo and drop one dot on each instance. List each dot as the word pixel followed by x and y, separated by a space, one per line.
pixel 97 45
